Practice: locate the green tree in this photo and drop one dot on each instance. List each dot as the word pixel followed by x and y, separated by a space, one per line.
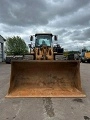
pixel 15 46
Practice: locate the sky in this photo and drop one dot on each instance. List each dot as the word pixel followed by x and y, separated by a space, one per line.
pixel 68 19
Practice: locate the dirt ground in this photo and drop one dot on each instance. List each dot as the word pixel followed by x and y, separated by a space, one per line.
pixel 44 108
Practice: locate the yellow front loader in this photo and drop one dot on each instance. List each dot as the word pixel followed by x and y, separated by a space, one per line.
pixel 45 75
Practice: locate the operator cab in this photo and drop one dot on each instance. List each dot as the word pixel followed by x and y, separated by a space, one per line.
pixel 83 51
pixel 43 40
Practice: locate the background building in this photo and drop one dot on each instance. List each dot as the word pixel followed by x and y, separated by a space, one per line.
pixel 2 40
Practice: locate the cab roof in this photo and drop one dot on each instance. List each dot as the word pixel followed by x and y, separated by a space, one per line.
pixel 43 34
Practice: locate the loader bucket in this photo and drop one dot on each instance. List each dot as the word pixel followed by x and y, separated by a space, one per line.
pixel 45 78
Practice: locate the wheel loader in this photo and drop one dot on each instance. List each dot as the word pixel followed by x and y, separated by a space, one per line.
pixel 85 56
pixel 48 74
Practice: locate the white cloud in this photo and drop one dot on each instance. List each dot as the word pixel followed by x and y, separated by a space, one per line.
pixel 69 19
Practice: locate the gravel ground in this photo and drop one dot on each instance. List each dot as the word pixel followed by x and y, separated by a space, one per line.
pixel 44 108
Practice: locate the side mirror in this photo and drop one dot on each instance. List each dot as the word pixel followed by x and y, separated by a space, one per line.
pixel 30 46
pixel 55 38
pixel 31 38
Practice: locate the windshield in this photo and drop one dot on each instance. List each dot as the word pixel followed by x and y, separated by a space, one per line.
pixel 43 40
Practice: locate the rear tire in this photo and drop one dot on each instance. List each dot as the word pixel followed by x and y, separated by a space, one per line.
pixel 8 61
